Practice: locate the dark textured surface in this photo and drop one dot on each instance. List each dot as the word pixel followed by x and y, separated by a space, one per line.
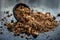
pixel 52 6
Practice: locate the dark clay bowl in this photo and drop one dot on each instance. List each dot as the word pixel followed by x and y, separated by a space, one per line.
pixel 16 6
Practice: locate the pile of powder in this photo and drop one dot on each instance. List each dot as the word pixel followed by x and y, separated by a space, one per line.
pixel 31 23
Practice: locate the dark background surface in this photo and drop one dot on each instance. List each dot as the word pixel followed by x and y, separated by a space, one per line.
pixel 52 6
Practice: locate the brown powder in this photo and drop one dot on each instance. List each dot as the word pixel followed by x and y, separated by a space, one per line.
pixel 31 23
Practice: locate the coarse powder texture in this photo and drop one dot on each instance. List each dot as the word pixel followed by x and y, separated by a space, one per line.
pixel 31 23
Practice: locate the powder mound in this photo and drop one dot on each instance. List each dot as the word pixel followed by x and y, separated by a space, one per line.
pixel 31 23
